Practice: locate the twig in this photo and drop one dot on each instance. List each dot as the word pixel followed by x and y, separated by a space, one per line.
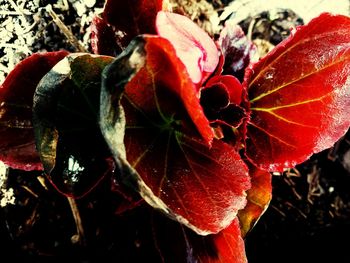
pixel 30 221
pixel 278 210
pixel 68 33
pixel 64 6
pixel 42 182
pixel 28 29
pixel 250 29
pixel 10 13
pixel 292 172
pixel 80 237
pixel 300 212
pixel 29 191
pixel 333 152
pixel 297 194
pixel 20 11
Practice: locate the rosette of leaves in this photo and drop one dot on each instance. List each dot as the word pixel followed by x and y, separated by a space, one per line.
pixel 194 143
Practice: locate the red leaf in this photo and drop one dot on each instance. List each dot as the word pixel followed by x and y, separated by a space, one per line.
pixel 220 99
pixel 225 247
pixel 103 39
pixel 180 170
pixel 224 103
pixel 163 63
pixel 133 17
pixel 258 198
pixel 193 46
pixel 177 171
pixel 17 147
pixel 231 84
pixel 228 246
pixel 299 94
pixel 204 187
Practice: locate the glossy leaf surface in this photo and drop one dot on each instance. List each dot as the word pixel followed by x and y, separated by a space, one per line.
pixel 258 198
pixel 17 147
pixel 173 167
pixel 226 246
pixel 66 104
pixel 300 94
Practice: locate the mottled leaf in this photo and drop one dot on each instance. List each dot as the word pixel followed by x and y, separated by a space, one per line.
pixel 169 162
pixel 17 147
pixel 258 198
pixel 300 94
pixel 66 105
pixel 193 46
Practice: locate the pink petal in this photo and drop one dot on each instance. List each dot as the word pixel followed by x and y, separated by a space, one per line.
pixel 193 46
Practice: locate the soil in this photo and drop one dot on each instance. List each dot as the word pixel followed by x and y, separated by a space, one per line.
pixel 308 219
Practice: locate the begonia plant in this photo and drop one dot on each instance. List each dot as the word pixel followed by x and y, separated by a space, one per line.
pixel 161 107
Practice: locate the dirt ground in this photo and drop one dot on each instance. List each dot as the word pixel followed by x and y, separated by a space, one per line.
pixel 308 219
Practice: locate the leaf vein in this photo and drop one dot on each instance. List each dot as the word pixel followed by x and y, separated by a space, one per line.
pixel 298 79
pixel 305 40
pixel 271 135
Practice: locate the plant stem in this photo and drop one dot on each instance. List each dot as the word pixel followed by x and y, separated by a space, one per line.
pixel 80 237
pixel 68 33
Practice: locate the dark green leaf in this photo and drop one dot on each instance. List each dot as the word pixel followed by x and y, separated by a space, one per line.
pixel 68 138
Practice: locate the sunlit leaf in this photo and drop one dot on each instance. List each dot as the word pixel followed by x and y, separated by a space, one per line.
pixel 224 247
pixel 300 94
pixel 17 147
pixel 66 105
pixel 258 198
pixel 173 167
